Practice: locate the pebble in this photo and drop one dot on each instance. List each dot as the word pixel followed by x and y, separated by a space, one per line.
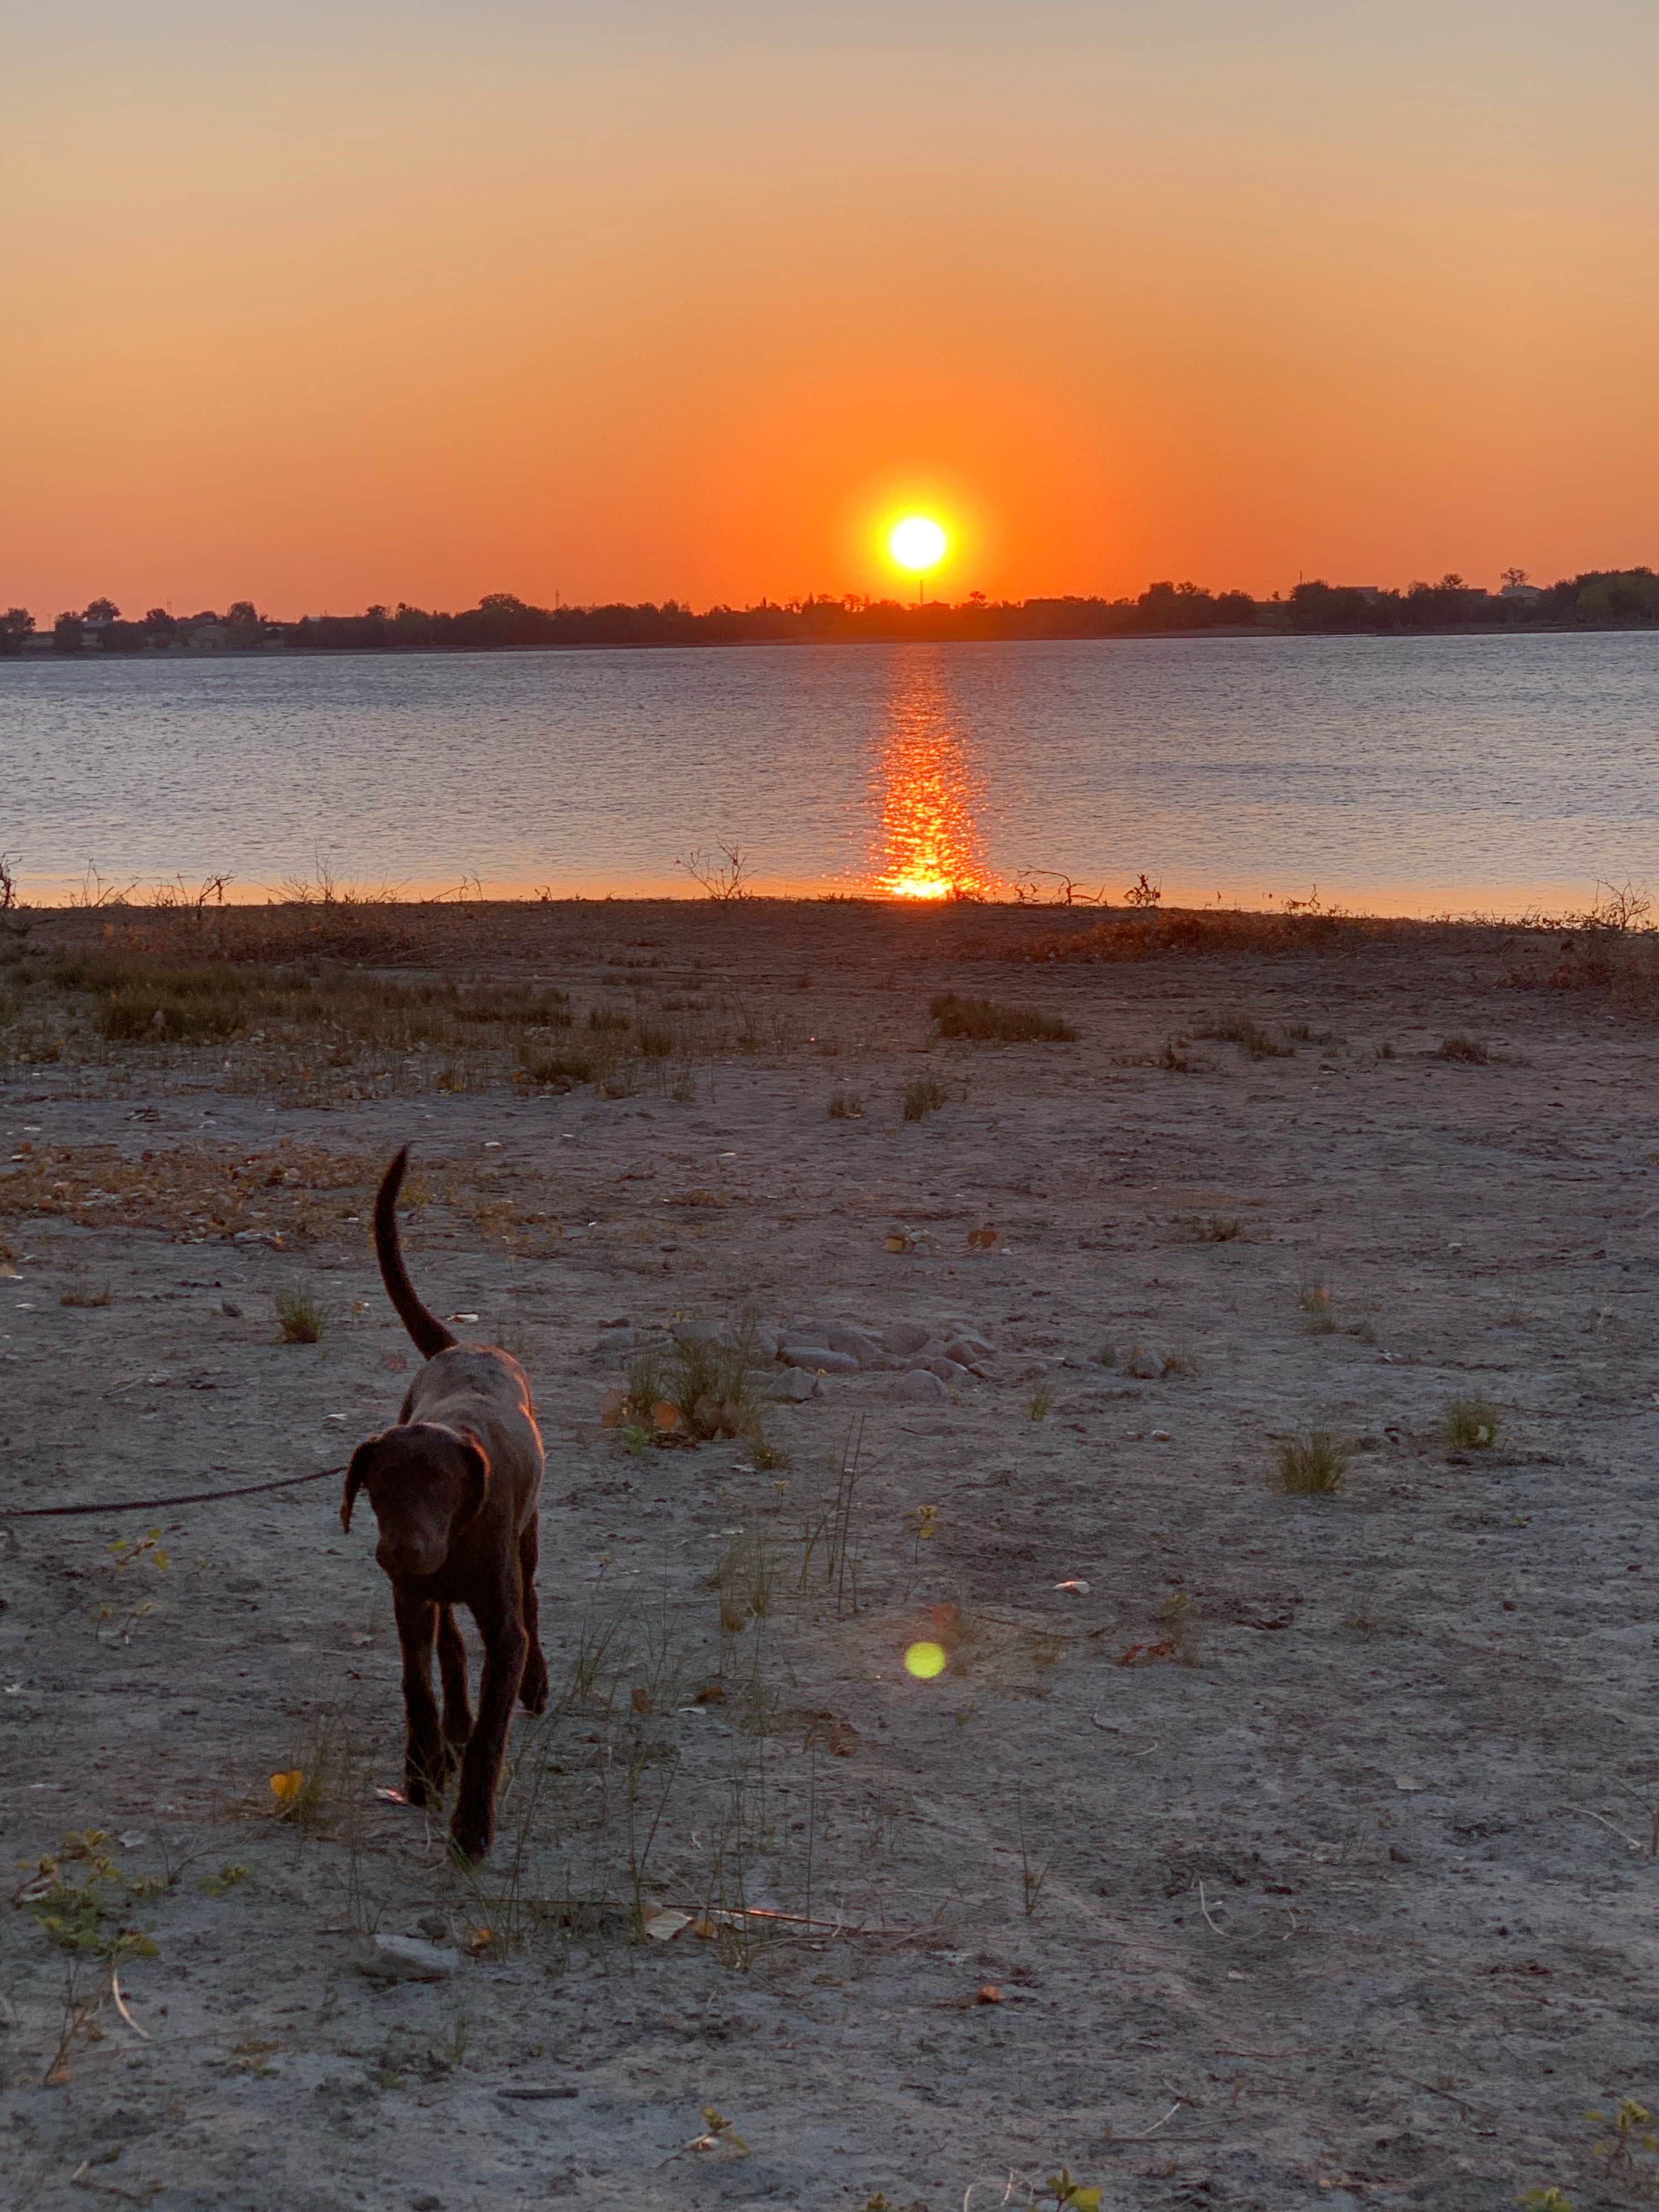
pixel 948 1371
pixel 408 1959
pixel 793 1387
pixel 818 1359
pixel 906 1336
pixel 862 1350
pixel 968 1350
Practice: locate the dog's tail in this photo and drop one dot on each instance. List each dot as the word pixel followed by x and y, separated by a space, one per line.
pixel 430 1335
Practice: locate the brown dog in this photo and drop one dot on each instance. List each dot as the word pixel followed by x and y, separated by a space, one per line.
pixel 456 1488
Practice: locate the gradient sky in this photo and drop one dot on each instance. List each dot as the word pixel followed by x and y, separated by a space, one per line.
pixel 320 306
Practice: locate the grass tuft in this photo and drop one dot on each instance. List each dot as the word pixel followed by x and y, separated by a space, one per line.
pixel 1470 1424
pixel 1240 1030
pixel 80 1295
pixel 987 1021
pixel 923 1095
pixel 1468 1050
pixel 846 1106
pixel 1313 1465
pixel 300 1317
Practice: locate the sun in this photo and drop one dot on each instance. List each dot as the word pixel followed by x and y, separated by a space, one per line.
pixel 917 542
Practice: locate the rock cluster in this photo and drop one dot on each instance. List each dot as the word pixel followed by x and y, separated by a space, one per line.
pixel 925 1362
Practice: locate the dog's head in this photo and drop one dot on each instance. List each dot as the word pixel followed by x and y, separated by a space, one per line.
pixel 425 1483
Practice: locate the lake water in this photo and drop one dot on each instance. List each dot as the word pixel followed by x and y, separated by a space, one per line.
pixel 1398 775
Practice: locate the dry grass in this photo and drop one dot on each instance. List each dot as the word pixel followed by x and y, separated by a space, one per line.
pixel 1318 1311
pixel 1240 1030
pixel 1154 936
pixel 83 1295
pixel 1470 1424
pixel 300 1319
pixel 846 1106
pixel 923 1095
pixel 1469 1050
pixel 988 1022
pixel 1313 1466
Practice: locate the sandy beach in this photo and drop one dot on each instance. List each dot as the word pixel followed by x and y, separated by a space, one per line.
pixel 1251 1850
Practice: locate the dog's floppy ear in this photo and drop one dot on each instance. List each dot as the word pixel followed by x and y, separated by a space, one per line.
pixel 355 1475
pixel 476 1460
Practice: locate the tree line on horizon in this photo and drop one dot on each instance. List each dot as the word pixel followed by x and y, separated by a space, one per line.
pixel 1597 598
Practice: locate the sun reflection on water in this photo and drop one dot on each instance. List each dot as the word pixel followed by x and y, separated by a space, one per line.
pixel 929 845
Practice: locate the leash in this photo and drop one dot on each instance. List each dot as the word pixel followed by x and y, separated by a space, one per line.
pixel 158 1504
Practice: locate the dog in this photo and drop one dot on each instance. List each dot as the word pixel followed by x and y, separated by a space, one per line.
pixel 456 1491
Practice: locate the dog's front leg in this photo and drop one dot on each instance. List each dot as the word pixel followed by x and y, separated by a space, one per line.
pixel 424 1757
pixel 505 1643
pixel 452 1666
pixel 533 1687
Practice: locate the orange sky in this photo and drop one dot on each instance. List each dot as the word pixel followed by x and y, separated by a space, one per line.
pixel 320 306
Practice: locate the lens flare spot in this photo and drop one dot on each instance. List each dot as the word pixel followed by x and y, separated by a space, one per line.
pixel 925 1660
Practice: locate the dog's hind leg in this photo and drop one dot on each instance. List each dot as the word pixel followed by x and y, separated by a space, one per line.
pixel 452 1666
pixel 533 1690
pixel 425 1761
pixel 501 1627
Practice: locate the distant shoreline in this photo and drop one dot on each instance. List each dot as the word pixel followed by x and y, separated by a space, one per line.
pixel 1235 633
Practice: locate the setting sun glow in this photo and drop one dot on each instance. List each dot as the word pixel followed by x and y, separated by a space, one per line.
pixel 917 542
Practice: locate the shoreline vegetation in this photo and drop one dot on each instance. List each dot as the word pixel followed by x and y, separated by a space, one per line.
pixel 1625 599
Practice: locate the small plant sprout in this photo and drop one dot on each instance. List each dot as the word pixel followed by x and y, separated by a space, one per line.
pixel 231 1875
pixel 1318 1317
pixel 719 2135
pixel 134 1558
pixel 1545 2200
pixel 1312 1465
pixel 1031 1876
pixel 1632 2131
pixel 1037 1404
pixel 1470 1424
pixel 300 1318
pixel 1180 1618
pixel 1060 2190
pixel 924 1526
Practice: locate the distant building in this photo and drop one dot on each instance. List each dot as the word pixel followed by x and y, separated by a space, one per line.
pixel 1367 592
pixel 207 637
pixel 1522 592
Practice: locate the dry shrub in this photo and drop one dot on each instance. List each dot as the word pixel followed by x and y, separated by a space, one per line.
pixel 1154 936
pixel 289 1195
pixel 988 1022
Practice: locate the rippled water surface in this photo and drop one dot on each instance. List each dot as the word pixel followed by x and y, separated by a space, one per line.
pixel 1408 775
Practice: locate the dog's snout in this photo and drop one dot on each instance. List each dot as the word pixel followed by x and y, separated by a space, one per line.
pixel 401 1559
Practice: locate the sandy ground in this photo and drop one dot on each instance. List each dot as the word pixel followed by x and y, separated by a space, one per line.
pixel 1343 1895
